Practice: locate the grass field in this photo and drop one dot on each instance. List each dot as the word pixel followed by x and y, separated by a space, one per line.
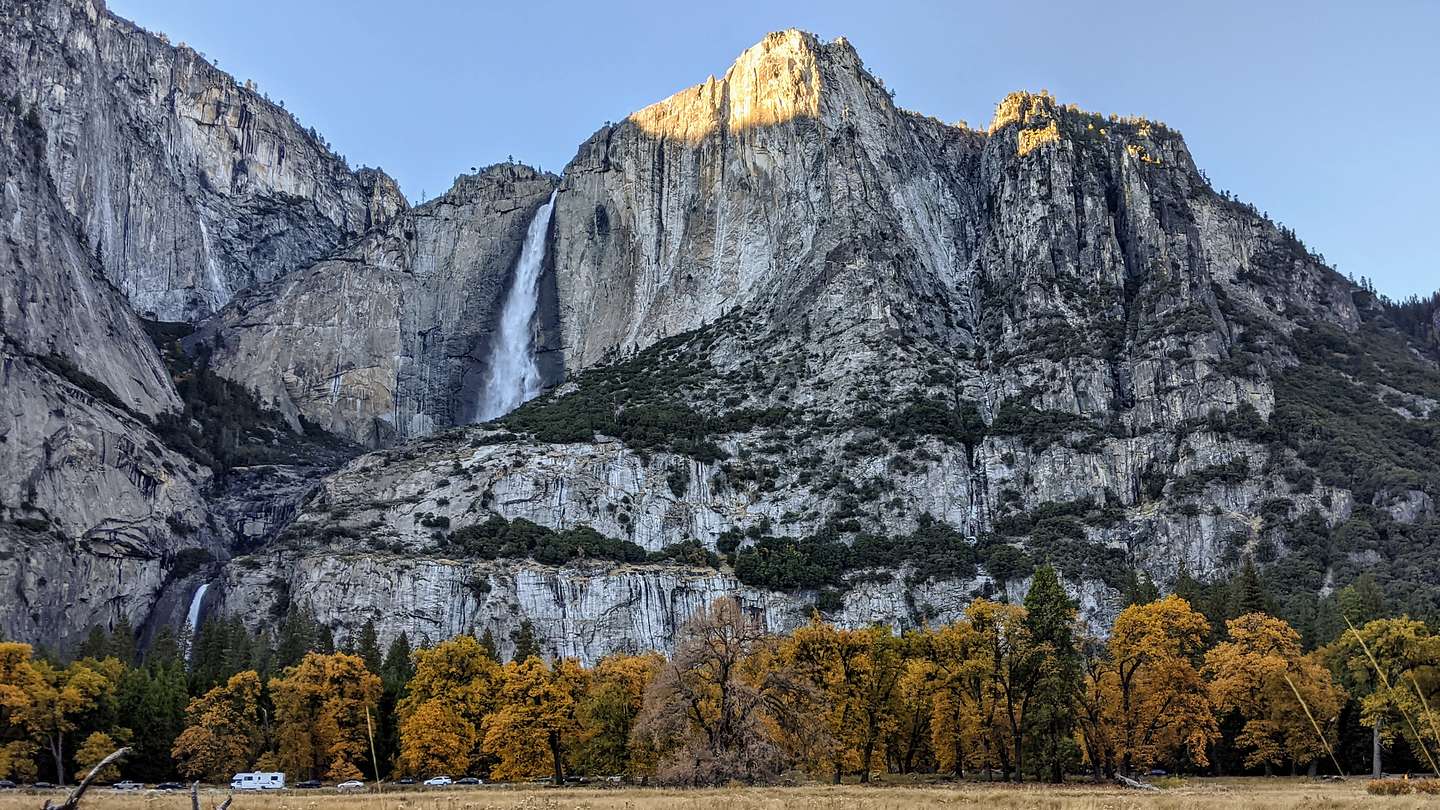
pixel 1208 794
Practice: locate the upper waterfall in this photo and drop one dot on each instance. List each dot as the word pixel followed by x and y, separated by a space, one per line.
pixel 514 377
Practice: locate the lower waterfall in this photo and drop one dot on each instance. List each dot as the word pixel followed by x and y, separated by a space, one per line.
pixel 192 619
pixel 514 377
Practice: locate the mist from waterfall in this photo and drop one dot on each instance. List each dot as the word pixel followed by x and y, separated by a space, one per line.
pixel 514 377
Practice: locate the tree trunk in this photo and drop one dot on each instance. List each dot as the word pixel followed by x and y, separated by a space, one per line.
pixel 1313 769
pixel 1375 770
pixel 865 761
pixel 57 748
pixel 556 758
pixel 836 774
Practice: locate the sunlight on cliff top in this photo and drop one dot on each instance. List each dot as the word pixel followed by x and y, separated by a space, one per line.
pixel 775 81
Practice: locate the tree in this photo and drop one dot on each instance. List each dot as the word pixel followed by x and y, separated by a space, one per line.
pixel 856 673
pixel 47 703
pixel 1387 665
pixel 526 645
pixel 223 733
pixel 1013 663
pixel 455 687
pixel 152 699
pixel 368 647
pixel 321 707
pixel 95 748
pixel 608 711
pixel 1050 619
pixel 1158 706
pixel 717 706
pixel 1257 674
pixel 536 721
pixel 1248 593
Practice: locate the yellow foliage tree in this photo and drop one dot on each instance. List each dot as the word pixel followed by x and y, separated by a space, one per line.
pixel 1248 675
pixel 607 713
pixel 1158 706
pixel 442 716
pixel 1392 666
pixel 223 734
pixel 856 673
pixel 95 748
pixel 536 721
pixel 45 702
pixel 320 712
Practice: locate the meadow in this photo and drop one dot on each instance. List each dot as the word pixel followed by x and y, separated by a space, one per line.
pixel 1211 794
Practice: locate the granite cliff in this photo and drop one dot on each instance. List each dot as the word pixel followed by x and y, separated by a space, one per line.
pixel 813 351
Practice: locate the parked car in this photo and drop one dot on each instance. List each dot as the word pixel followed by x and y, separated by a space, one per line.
pixel 6 784
pixel 43 785
pixel 1159 772
pixel 351 784
pixel 127 785
pixel 406 780
pixel 308 784
pixel 169 786
pixel 439 781
pixel 468 780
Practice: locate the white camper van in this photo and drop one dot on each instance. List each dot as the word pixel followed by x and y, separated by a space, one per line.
pixel 258 780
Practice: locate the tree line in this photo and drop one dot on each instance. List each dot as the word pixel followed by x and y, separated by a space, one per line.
pixel 1009 691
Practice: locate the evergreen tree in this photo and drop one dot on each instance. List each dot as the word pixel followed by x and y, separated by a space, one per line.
pixel 1248 592
pixel 298 635
pixel 367 646
pixel 1141 589
pixel 395 672
pixel 487 643
pixel 1050 618
pixel 122 642
pixel 1362 601
pixel 96 644
pixel 526 645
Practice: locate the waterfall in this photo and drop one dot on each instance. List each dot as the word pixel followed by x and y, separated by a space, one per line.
pixel 192 619
pixel 514 376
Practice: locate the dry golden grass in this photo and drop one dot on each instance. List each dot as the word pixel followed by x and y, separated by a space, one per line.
pixel 1209 794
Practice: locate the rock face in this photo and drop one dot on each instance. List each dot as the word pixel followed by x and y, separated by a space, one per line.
pixel 875 363
pixel 389 339
pixel 190 187
pixel 791 312
pixel 93 509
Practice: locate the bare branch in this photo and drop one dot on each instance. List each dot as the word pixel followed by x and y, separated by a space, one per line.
pixel 73 800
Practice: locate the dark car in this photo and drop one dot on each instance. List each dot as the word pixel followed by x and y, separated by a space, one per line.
pixel 406 780
pixel 468 780
pixel 6 784
pixel 308 784
pixel 43 785
pixel 169 786
pixel 1159 772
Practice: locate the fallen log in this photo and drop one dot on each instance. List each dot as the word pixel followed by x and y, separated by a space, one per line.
pixel 73 800
pixel 1134 784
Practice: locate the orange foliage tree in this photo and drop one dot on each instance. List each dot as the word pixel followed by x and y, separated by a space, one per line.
pixel 320 710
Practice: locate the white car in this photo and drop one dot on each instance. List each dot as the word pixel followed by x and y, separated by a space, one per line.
pixel 128 785
pixel 353 784
pixel 439 781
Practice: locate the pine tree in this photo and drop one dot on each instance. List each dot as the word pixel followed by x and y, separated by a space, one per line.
pixel 368 647
pixel 1248 592
pixel 487 642
pixel 1362 601
pixel 122 642
pixel 1050 618
pixel 1141 589
pixel 96 644
pixel 526 645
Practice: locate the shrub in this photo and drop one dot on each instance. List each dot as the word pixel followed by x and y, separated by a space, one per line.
pixel 1389 787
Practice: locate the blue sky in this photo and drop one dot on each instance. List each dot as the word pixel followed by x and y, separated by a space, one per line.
pixel 1324 114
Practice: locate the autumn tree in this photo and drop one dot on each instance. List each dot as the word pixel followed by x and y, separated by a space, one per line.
pixel 536 721
pixel 964 720
pixel 716 707
pixel 47 703
pixel 1388 665
pixel 223 734
pixel 1012 660
pixel 95 748
pixel 1257 674
pixel 607 714
pixel 1158 704
pixel 454 688
pixel 320 712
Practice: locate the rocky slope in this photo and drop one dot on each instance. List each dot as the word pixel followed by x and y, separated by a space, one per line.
pixel 882 363
pixel 95 512
pixel 390 338
pixel 818 352
pixel 190 186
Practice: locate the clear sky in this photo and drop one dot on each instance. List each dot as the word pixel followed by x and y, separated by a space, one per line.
pixel 1326 114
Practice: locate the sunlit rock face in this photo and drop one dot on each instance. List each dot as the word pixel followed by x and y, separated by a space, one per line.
pixel 391 337
pixel 190 186
pixel 805 249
